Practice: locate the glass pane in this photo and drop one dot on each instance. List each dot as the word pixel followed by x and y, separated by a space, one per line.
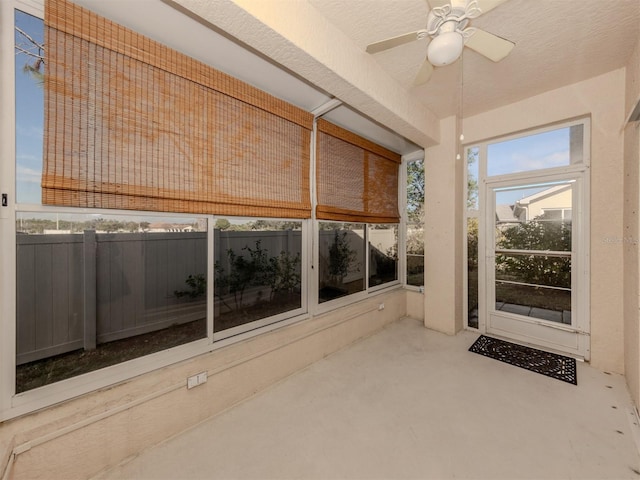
pixel 383 254
pixel 534 217
pixel 415 229
pixel 550 149
pixel 535 286
pixel 96 290
pixel 472 272
pixel 415 255
pixel 258 270
pixel 29 68
pixel 415 191
pixel 473 155
pixel 342 256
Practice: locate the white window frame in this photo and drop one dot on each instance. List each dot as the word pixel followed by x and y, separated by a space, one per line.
pixel 13 405
pixel 404 218
pixel 297 313
pixel 583 244
pixel 472 213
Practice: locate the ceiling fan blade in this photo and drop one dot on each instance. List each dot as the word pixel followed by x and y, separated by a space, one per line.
pixel 491 46
pixel 484 5
pixel 488 5
pixel 437 3
pixel 424 74
pixel 396 41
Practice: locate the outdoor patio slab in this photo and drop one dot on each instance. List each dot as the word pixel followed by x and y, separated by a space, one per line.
pixel 546 314
pixel 410 403
pixel 519 309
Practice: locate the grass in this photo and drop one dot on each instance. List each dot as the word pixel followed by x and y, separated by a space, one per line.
pixel 67 365
pixel 60 367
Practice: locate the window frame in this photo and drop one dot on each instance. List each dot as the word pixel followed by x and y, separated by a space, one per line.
pixel 581 168
pixel 404 221
pixel 258 324
pixel 12 404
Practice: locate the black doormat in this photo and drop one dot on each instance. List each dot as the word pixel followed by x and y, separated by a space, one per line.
pixel 549 364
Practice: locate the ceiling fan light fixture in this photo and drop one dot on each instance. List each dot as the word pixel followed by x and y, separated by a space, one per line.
pixel 445 48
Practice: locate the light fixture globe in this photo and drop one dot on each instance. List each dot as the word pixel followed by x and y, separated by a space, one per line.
pixel 445 48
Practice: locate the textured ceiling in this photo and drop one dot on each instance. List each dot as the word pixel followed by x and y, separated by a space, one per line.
pixel 558 42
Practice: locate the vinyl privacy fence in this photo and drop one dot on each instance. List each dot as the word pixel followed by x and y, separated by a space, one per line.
pixel 75 291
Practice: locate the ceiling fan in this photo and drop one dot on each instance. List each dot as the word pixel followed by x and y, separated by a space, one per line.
pixel 447 26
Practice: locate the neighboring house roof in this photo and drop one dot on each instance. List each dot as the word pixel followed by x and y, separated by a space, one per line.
pixel 504 214
pixel 544 193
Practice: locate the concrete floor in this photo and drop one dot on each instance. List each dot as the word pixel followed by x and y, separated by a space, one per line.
pixel 410 403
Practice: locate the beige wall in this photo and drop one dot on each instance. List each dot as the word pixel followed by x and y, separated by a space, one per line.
pixel 80 437
pixel 562 199
pixel 443 233
pixel 603 99
pixel 631 233
pixel 415 305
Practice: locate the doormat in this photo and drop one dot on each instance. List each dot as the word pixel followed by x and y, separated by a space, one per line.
pixel 549 364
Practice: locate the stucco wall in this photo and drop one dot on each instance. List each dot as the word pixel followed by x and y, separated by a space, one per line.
pixel 415 305
pixel 80 437
pixel 631 234
pixel 603 99
pixel 443 233
pixel 561 199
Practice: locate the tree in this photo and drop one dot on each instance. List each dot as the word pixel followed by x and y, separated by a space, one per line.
pixel 34 51
pixel 341 257
pixel 415 191
pixel 472 182
pixel 539 234
pixel 222 224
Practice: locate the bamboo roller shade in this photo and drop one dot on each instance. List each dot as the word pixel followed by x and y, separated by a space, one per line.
pixel 357 179
pixel 133 124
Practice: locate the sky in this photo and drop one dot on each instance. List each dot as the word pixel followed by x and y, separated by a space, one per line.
pixel 533 152
pixel 29 118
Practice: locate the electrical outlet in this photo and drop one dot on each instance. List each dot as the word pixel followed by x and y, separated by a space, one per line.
pixel 196 380
pixel 381 306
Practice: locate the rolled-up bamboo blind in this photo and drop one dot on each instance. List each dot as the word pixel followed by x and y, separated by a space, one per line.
pixel 357 179
pixel 133 124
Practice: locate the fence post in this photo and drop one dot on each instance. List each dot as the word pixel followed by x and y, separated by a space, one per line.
pixel 289 245
pixel 90 317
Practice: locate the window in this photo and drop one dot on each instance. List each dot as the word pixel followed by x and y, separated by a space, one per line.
pixel 415 223
pixel 558 147
pixel 94 290
pixel 98 289
pixel 133 250
pixel 29 71
pixel 555 215
pixel 258 272
pixel 341 259
pixel 383 254
pixel 473 204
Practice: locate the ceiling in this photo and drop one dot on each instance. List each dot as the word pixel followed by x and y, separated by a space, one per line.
pixel 558 42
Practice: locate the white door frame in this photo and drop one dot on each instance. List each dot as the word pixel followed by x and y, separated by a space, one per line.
pixel 581 238
pixel 569 339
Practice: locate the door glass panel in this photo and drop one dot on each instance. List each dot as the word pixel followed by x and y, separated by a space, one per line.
pixel 533 251
pixel 534 286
